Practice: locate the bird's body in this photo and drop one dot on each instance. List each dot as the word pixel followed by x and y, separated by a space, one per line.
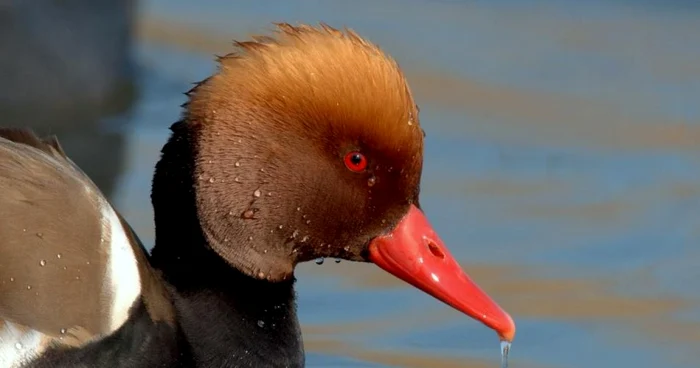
pixel 303 146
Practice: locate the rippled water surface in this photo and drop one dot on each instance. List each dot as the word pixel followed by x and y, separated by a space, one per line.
pixel 562 169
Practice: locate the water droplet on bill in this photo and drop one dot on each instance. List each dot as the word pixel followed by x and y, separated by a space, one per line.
pixel 319 261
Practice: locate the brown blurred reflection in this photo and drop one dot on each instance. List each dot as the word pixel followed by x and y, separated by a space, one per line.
pixel 64 65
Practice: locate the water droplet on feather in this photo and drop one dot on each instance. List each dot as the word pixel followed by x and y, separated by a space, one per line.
pixel 371 181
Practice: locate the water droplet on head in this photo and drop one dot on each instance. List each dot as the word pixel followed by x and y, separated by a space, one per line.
pixel 319 261
pixel 337 260
pixel 256 193
pixel 261 323
pixel 371 181
pixel 42 263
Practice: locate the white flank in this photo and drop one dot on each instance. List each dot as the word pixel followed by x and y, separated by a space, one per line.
pixel 18 345
pixel 122 283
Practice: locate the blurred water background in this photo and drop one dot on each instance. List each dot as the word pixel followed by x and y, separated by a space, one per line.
pixel 562 160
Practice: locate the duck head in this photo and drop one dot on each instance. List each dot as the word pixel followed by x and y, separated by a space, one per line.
pixel 306 145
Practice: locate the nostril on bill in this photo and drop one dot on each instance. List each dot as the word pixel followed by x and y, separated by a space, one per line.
pixel 435 250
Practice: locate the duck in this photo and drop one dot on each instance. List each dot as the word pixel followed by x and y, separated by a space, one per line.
pixel 305 143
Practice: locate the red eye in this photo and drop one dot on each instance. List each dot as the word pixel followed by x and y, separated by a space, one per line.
pixel 355 161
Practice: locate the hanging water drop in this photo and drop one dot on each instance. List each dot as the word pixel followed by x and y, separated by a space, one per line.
pixel 319 261
pixel 505 349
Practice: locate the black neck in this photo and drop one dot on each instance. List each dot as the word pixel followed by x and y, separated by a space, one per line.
pixel 229 318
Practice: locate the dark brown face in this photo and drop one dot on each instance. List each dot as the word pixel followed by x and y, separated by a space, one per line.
pixel 301 194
